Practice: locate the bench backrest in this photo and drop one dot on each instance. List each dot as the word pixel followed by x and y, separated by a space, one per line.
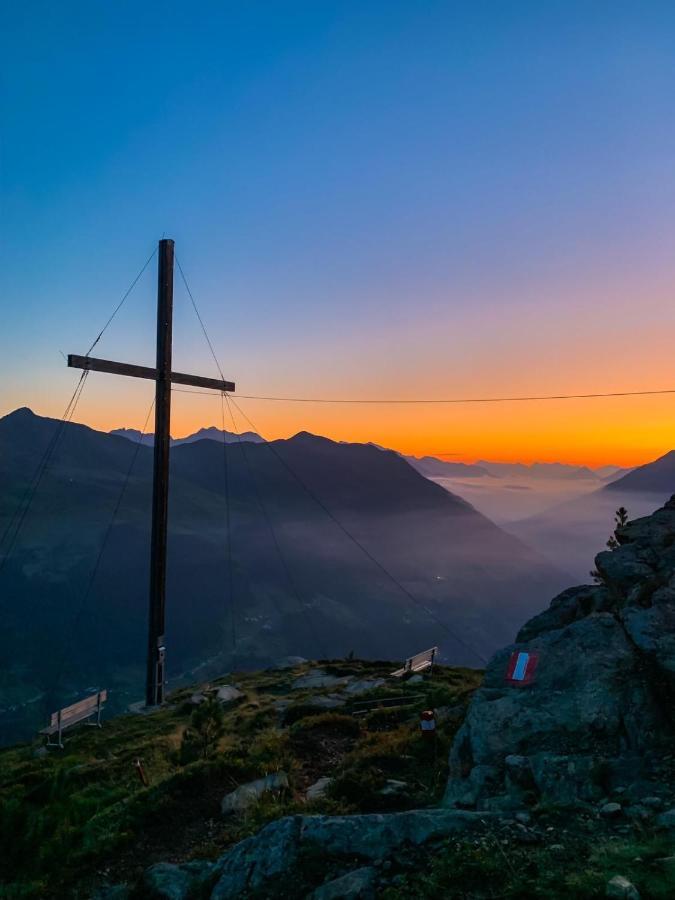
pixel 69 715
pixel 425 656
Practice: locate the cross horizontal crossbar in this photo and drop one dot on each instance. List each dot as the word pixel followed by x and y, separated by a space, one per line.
pixel 118 368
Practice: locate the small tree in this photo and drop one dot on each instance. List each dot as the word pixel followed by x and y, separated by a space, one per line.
pixel 207 726
pixel 620 519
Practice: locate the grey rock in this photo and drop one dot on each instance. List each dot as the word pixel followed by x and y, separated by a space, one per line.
pixel 594 715
pixel 519 771
pixel 573 604
pixel 329 701
pixel 354 885
pixel 525 836
pixel 620 887
pixel 611 810
pixel 274 851
pixel 112 892
pixel 317 678
pixel 666 820
pixel 175 882
pixel 363 685
pixel 393 787
pixel 247 795
pixel 637 812
pixel 289 662
pixel 319 788
pixel 652 802
pixel 626 568
pixel 256 861
pixel 228 693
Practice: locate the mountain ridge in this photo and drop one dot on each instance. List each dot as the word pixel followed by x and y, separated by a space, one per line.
pixel 347 534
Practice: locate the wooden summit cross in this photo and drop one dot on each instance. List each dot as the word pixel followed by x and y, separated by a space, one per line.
pixel 163 378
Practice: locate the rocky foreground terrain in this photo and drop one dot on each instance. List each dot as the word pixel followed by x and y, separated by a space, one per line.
pixel 559 785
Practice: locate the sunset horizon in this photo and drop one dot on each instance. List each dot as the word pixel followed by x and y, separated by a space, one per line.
pixel 337 450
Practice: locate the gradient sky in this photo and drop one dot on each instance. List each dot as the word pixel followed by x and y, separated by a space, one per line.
pixel 369 199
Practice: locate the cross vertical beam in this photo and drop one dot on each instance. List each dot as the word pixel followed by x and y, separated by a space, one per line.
pixel 154 689
pixel 163 377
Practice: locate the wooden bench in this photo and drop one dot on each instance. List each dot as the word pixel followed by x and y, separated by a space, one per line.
pixel 415 664
pixel 82 711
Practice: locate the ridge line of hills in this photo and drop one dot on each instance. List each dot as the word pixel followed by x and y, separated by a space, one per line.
pixel 474 576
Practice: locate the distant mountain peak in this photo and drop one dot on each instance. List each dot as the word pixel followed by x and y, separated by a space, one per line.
pixel 23 412
pixel 207 433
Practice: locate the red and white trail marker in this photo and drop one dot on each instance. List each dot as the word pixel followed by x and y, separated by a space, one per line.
pixel 522 667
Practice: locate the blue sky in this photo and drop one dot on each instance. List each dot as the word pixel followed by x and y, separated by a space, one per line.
pixel 368 199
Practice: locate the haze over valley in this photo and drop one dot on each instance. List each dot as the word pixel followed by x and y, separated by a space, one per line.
pixel 335 548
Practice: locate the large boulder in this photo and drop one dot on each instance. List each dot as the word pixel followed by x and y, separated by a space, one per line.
pixel 257 863
pixel 597 699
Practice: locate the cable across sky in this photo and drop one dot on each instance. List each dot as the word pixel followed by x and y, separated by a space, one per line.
pixel 449 400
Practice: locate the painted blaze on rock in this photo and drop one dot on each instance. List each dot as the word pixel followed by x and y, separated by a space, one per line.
pixel 522 667
pixel 600 695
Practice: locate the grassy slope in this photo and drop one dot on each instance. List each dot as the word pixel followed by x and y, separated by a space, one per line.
pixel 74 820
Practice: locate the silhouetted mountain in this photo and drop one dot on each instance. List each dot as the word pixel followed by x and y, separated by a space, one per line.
pixel 657 476
pixel 432 467
pixel 539 470
pixel 323 596
pixel 566 532
pixel 212 433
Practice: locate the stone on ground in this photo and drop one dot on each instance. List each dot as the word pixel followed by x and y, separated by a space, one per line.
pixel 175 882
pixel 666 820
pixel 247 795
pixel 611 810
pixel 319 788
pixel 393 787
pixel 363 685
pixel 353 886
pixel 317 678
pixel 228 693
pixel 289 662
pixel 622 889
pixel 329 701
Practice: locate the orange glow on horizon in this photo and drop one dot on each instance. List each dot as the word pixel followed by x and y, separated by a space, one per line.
pixel 619 431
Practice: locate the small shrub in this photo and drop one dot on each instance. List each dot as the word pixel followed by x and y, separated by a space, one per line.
pixel 207 726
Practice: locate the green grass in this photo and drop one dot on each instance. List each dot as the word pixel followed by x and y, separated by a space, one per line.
pixel 485 869
pixel 65 814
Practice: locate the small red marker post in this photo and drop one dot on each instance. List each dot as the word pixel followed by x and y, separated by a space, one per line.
pixel 138 765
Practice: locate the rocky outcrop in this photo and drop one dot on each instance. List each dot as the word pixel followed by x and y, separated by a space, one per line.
pixel 598 709
pixel 259 863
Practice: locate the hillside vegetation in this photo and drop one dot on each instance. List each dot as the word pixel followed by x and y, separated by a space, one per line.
pixel 79 822
pixel 77 818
